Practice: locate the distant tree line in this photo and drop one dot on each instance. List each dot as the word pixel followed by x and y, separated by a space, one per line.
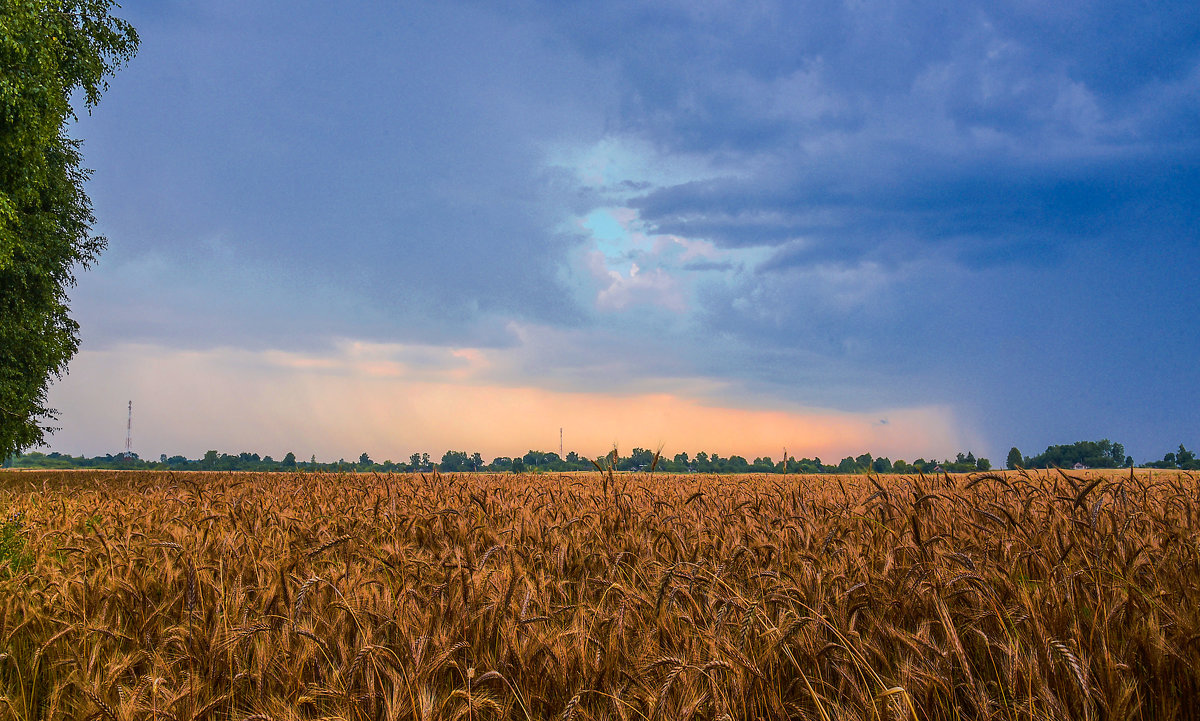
pixel 1088 454
pixel 1183 458
pixel 639 459
pixel 1098 454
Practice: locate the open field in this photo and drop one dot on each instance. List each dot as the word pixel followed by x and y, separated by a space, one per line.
pixel 240 596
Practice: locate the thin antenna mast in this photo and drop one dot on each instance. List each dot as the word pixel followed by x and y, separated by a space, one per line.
pixel 129 433
pixel 560 455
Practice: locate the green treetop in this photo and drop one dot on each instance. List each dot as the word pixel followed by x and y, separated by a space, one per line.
pixel 49 50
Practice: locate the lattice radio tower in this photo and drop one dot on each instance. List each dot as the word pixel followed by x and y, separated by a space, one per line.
pixel 129 433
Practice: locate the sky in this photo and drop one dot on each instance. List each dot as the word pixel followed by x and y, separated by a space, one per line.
pixel 908 228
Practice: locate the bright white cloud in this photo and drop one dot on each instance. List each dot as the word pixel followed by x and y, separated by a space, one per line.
pixel 630 265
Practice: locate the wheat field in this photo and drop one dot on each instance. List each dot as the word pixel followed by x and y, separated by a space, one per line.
pixel 1061 595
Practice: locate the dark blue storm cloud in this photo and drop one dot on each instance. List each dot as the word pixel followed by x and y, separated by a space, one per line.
pixel 1007 189
pixel 849 204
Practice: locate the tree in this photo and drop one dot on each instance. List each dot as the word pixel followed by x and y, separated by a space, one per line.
pixel 541 460
pixel 738 464
pixel 455 461
pixel 1014 459
pixel 1184 457
pixel 49 51
pixel 1093 454
pixel 639 459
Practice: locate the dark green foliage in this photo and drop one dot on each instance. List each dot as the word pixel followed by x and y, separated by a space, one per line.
pixel 1103 454
pixel 1014 459
pixel 1183 458
pixel 457 461
pixel 49 50
pixel 13 556
pixel 1092 454
pixel 639 459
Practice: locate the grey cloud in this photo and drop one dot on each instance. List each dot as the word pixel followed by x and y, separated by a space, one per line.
pixel 708 265
pixel 972 203
pixel 376 154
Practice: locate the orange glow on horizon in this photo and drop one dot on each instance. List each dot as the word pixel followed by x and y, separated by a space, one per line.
pixel 272 403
